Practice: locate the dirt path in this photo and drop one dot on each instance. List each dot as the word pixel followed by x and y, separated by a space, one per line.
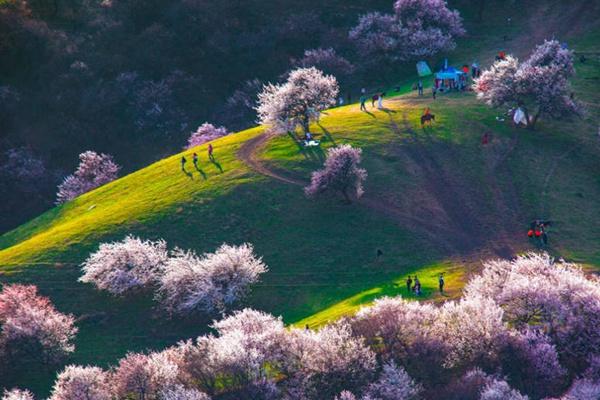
pixel 443 236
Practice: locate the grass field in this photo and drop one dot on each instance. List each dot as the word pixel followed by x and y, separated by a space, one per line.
pixel 437 201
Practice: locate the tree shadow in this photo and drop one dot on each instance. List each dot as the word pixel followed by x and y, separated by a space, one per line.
pixel 200 171
pixel 216 164
pixel 328 135
pixel 298 142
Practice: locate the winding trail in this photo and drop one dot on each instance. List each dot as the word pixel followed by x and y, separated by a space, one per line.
pixel 437 234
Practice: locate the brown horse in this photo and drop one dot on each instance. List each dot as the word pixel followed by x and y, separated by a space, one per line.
pixel 427 118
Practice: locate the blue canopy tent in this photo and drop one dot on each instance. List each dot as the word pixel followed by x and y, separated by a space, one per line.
pixel 450 78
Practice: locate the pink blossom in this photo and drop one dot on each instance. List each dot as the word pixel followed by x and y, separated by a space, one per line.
pixel 94 170
pixel 144 376
pixel 119 267
pixel 210 282
pixel 298 101
pixel 82 383
pixel 340 173
pixel 417 29
pixel 393 384
pixel 25 316
pixel 16 394
pixel 326 60
pixel 206 133
pixel 539 84
pixel 500 390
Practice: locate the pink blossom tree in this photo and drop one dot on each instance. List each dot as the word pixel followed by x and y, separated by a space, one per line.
pixel 119 267
pixel 140 376
pixel 181 393
pixel 82 383
pixel 323 363
pixel 500 390
pixel 326 60
pixel 393 384
pixel 540 85
pixel 417 29
pixel 206 133
pixel 298 101
pixel 29 323
pixel 17 394
pixel 210 282
pixel 557 298
pixel 247 351
pixel 340 173
pixel 94 170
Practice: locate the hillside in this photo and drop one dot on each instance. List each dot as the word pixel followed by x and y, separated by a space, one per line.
pixel 436 200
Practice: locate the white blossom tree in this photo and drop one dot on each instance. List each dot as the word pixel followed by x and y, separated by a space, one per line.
pixel 139 376
pixel 210 282
pixel 206 133
pixel 298 101
pixel 82 383
pixel 417 29
pixel 340 173
pixel 181 393
pixel 393 384
pixel 554 297
pixel 119 267
pixel 29 323
pixel 500 390
pixel 540 85
pixel 94 170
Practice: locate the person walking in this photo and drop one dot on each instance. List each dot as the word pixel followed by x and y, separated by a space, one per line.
pixel 420 87
pixel 210 152
pixel 183 161
pixel 433 91
pixel 363 99
pixel 409 282
pixel 195 160
pixel 441 283
pixel 380 101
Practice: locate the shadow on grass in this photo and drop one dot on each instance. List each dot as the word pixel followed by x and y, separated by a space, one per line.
pixel 189 174
pixel 328 135
pixel 216 164
pixel 200 171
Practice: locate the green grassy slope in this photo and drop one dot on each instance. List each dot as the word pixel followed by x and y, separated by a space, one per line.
pixel 443 202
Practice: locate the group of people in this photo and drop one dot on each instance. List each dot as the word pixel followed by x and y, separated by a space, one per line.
pixel 414 286
pixel 377 97
pixel 538 231
pixel 195 158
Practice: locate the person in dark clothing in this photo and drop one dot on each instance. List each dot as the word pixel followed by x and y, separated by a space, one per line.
pixel 409 282
pixel 433 91
pixel 378 254
pixel 363 99
pixel 374 99
pixel 210 152
pixel 417 287
pixel 441 283
pixel 183 161
pixel 195 160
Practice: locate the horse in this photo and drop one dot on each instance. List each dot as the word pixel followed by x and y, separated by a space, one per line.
pixel 427 118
